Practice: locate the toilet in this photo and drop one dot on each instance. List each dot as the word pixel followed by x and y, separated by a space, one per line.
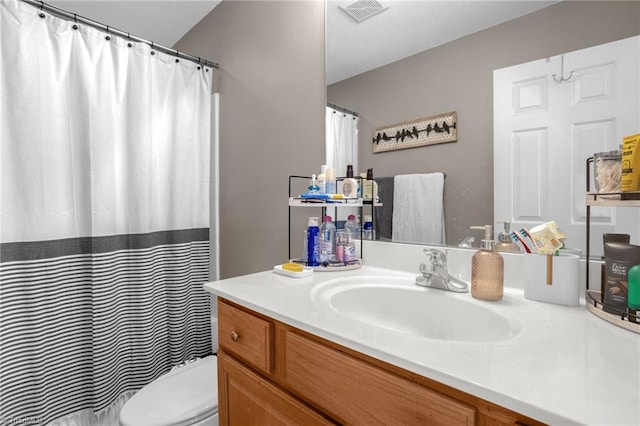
pixel 185 396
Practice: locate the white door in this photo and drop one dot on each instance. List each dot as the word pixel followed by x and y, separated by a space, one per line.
pixel 545 130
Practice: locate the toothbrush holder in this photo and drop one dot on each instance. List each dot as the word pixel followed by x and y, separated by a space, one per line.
pixel 552 279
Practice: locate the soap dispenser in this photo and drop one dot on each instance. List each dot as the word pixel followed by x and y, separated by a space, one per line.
pixel 487 269
pixel 505 244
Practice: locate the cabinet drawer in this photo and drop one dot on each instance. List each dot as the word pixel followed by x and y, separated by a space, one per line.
pixel 247 336
pixel 355 392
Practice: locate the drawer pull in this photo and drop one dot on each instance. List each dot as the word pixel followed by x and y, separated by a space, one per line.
pixel 235 336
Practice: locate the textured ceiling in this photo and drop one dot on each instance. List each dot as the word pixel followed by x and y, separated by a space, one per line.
pixel 404 29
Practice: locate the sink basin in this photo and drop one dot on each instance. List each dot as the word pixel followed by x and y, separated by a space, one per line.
pixel 397 304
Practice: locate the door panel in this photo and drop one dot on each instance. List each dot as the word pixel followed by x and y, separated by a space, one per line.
pixel 544 131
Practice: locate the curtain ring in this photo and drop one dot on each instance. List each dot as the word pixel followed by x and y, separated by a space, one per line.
pixel 108 37
pixel 129 38
pixel 199 67
pixel 152 52
pixel 75 20
pixel 41 14
pixel 177 56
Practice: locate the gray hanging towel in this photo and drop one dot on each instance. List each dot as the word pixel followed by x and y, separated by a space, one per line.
pixel 384 214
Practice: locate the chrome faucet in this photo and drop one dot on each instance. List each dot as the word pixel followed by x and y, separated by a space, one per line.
pixel 435 275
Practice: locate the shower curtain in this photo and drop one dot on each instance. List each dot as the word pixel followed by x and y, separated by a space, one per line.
pixel 341 140
pixel 104 217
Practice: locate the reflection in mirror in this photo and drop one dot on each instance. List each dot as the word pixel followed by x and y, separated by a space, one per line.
pixel 458 76
pixel 550 115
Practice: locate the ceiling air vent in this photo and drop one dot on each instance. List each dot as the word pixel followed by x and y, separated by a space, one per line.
pixel 364 9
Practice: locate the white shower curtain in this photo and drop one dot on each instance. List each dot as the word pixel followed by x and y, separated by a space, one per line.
pixel 341 140
pixel 104 216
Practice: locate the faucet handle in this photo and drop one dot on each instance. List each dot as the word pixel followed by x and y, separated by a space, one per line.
pixel 436 257
pixel 424 269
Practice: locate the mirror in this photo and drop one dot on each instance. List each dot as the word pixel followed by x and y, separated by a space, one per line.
pixel 458 76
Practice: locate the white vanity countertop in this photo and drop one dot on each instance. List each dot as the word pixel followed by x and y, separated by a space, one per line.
pixel 563 366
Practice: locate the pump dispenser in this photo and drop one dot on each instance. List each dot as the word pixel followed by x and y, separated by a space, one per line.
pixel 505 244
pixel 487 269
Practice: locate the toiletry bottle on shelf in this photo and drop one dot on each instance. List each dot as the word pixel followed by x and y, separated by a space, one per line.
pixel 313 187
pixel 633 297
pixel 327 240
pixel 330 181
pixel 487 269
pixel 505 244
pixel 373 184
pixel 351 225
pixel 313 242
pixel 349 184
pixel 367 228
pixel 322 179
pixel 619 258
pixel 341 240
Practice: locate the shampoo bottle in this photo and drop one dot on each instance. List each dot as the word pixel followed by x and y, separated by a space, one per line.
pixel 487 269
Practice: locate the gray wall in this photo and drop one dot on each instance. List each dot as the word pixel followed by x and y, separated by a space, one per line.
pixel 272 97
pixel 458 76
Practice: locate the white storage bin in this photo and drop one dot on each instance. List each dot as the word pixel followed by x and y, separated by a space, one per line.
pixel 564 286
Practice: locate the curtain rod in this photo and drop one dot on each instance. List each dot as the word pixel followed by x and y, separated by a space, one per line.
pixel 337 108
pixel 114 31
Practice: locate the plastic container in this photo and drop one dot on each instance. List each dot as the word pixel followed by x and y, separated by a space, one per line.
pixel 341 240
pixel 352 226
pixel 327 240
pixel 608 173
pixel 367 229
pixel 619 258
pixel 633 299
pixel 349 184
pixel 552 279
pixel 313 242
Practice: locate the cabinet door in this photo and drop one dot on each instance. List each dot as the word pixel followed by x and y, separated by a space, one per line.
pixel 247 399
pixel 355 392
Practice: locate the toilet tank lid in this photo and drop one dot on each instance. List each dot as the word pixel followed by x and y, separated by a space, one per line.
pixel 182 396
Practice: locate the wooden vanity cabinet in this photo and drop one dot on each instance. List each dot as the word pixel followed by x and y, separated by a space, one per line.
pixel 272 373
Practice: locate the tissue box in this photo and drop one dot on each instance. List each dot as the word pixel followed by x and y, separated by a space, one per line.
pixel 563 275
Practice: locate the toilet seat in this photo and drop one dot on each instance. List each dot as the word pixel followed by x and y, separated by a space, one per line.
pixel 184 396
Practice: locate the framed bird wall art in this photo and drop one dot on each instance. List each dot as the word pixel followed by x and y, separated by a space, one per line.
pixel 441 128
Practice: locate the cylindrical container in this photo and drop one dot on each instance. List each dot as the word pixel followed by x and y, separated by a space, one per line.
pixel 330 185
pixel 313 242
pixel 352 226
pixel 552 279
pixel 322 179
pixel 327 240
pixel 633 300
pixel 608 173
pixel 341 240
pixel 618 258
pixel 350 248
pixel 305 254
pixel 367 228
pixel 349 184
